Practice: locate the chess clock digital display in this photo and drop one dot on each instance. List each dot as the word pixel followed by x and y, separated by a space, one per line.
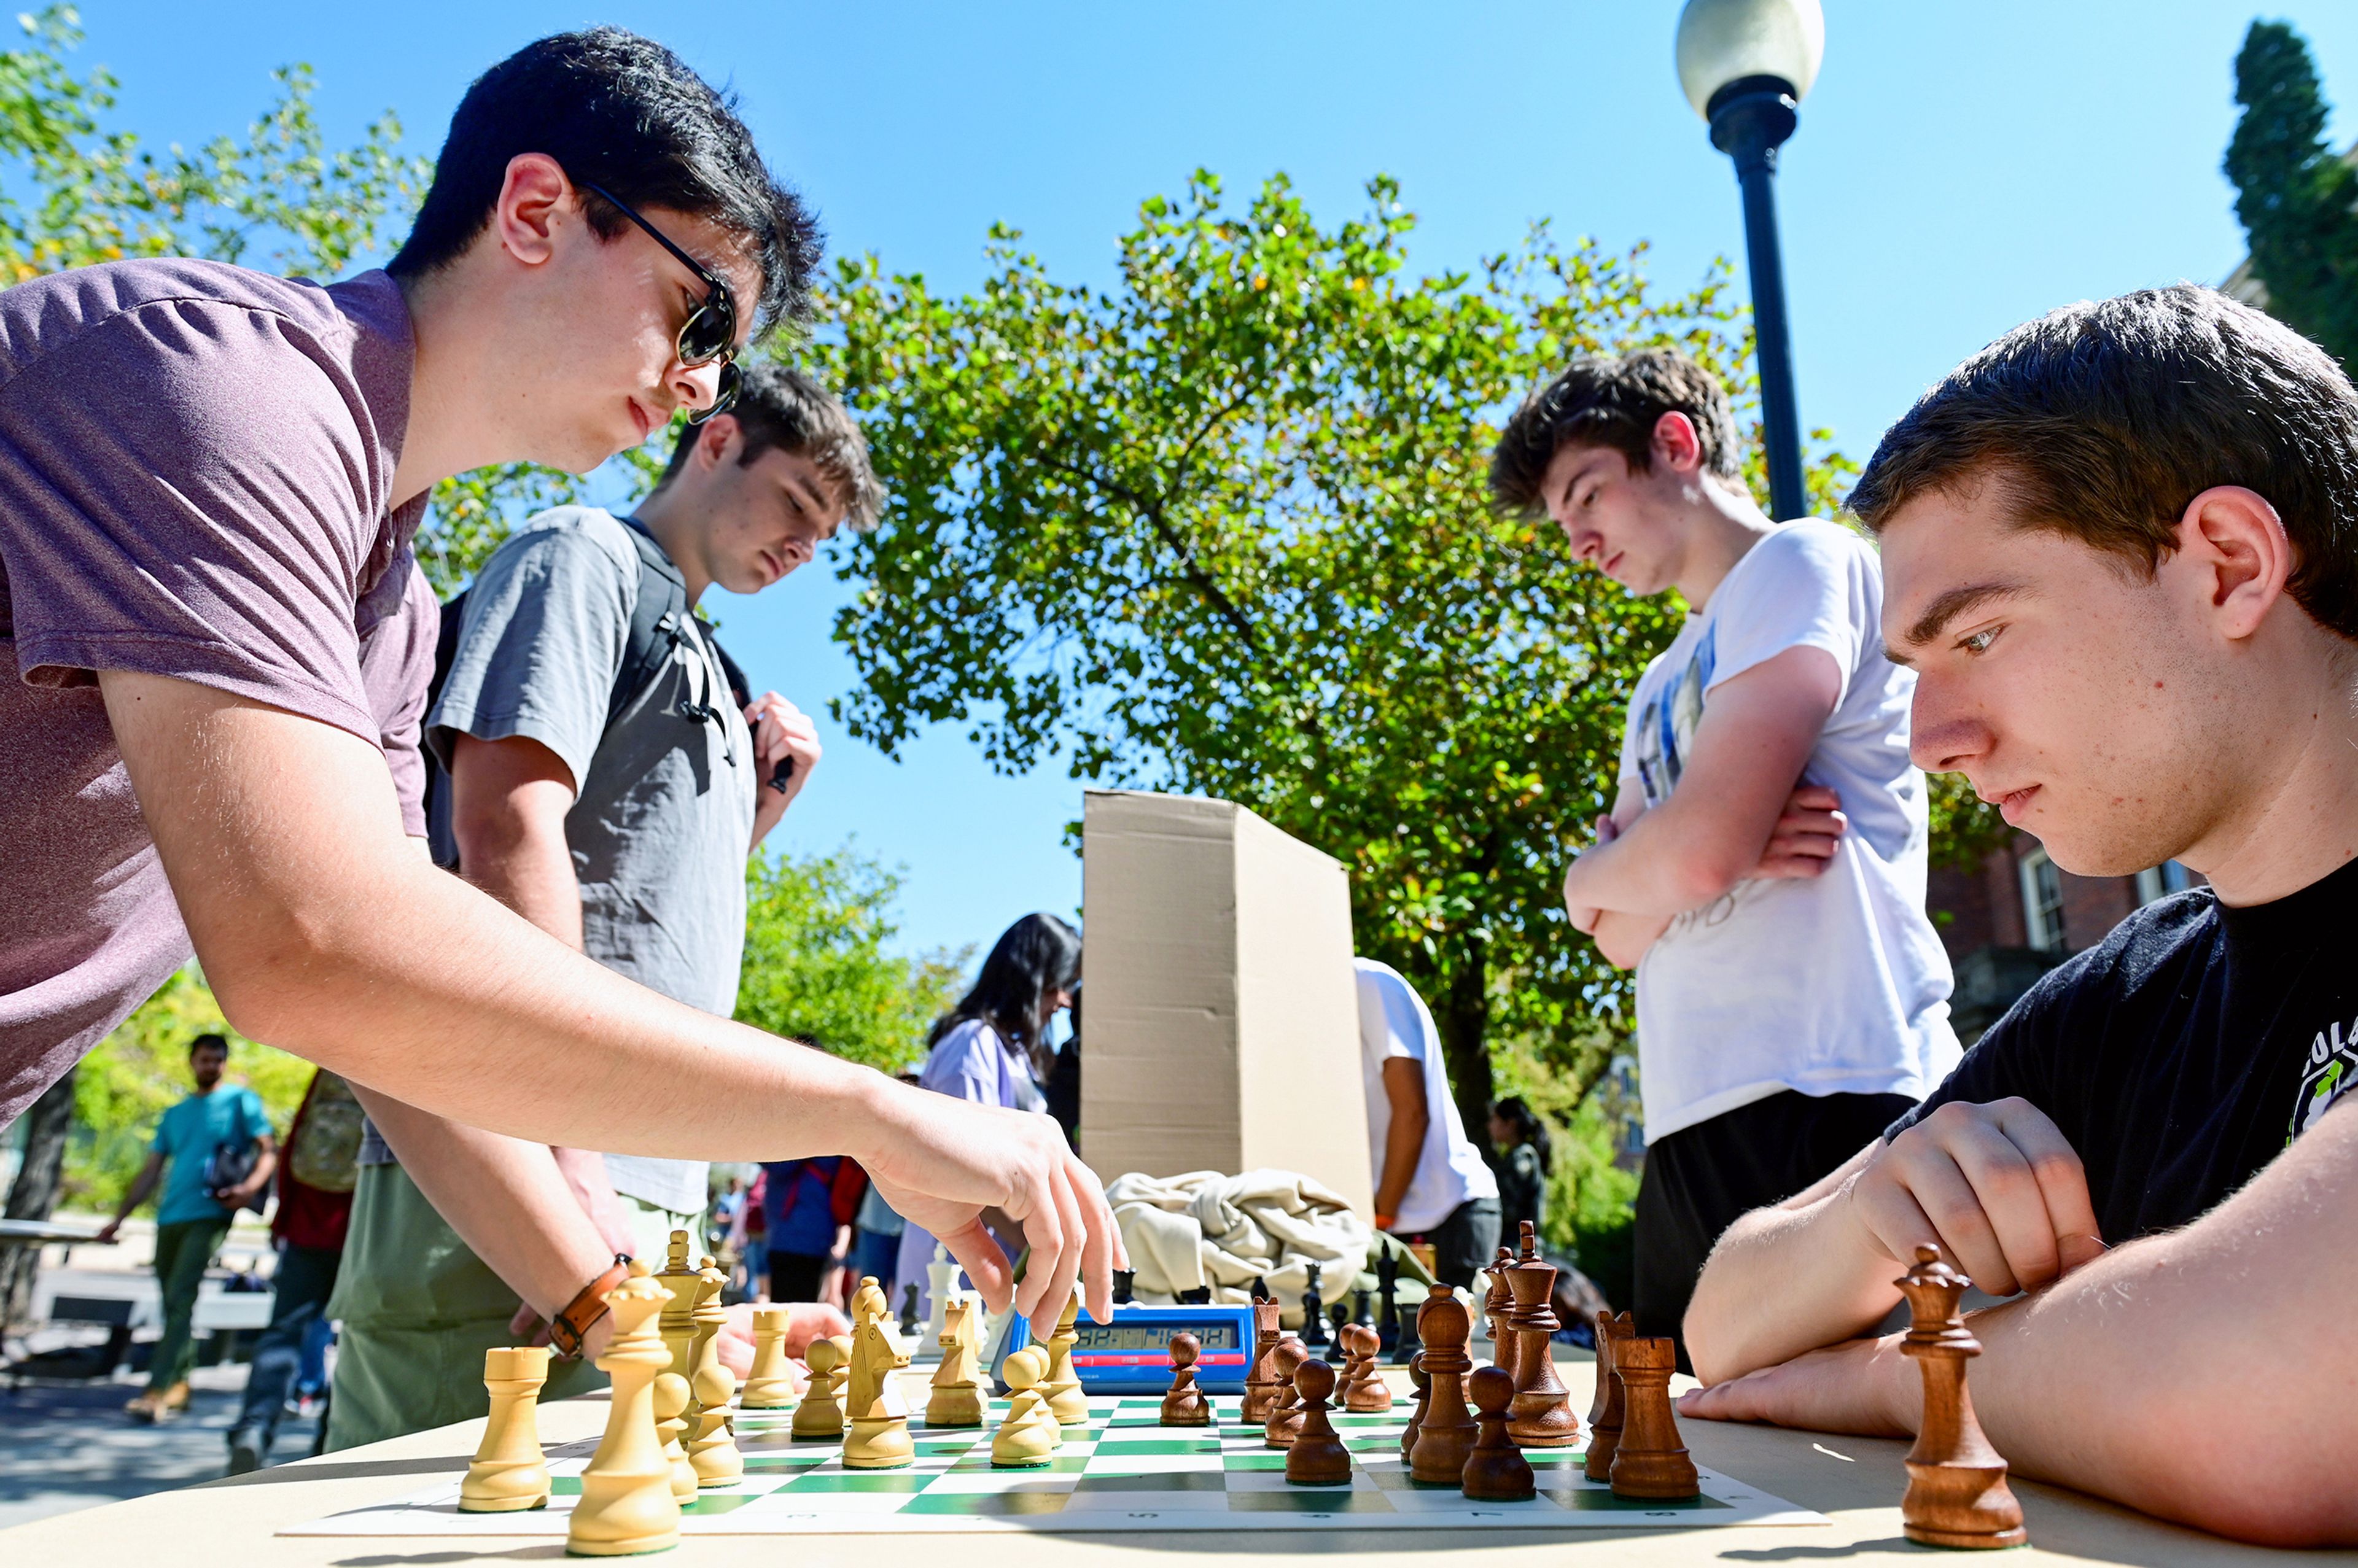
pixel 1131 1355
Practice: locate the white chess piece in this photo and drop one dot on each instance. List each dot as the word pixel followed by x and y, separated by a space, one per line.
pixel 941 1277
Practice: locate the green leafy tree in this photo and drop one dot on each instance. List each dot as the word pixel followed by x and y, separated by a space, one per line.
pixel 2298 202
pixel 816 968
pixel 1223 528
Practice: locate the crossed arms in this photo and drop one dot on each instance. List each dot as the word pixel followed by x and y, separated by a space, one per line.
pixel 1735 816
pixel 2247 1432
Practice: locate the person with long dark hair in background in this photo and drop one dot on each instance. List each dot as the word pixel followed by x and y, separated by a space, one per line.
pixel 993 1048
pixel 1526 1156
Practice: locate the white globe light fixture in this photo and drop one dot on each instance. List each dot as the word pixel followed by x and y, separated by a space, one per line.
pixel 1745 65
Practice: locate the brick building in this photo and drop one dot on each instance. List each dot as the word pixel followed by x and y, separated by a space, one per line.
pixel 2019 914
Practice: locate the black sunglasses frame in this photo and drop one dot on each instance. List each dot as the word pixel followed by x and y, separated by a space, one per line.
pixel 719 301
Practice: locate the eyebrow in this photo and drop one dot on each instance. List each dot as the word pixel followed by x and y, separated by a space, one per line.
pixel 1947 608
pixel 1580 471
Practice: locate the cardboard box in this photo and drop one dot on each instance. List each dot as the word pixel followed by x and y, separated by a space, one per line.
pixel 1221 1021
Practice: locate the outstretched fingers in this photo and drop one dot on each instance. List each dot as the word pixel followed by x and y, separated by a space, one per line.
pixel 977 1252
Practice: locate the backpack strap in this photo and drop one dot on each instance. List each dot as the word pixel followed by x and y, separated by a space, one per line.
pixel 658 623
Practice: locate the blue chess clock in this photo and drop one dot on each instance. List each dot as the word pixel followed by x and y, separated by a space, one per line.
pixel 1131 1355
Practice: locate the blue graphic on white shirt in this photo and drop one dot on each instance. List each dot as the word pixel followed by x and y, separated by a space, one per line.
pixel 1666 723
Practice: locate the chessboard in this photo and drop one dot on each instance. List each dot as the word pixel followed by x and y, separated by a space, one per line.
pixel 1123 1472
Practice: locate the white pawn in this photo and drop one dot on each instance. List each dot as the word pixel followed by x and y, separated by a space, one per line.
pixel 941 1277
pixel 1030 1434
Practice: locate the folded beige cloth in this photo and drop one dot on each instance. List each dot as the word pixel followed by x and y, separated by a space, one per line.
pixel 1206 1228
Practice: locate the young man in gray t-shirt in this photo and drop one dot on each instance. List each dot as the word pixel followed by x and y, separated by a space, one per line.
pixel 625 839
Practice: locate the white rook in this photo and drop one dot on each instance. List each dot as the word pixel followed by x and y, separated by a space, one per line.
pixel 1220 1020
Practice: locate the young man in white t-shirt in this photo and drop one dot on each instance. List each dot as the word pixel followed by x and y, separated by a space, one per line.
pixel 1763 865
pixel 1431 1181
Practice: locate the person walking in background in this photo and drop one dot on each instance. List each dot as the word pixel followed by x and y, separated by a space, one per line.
pixel 314 1206
pixel 810 1204
pixel 993 1049
pixel 214 1154
pixel 1526 1158
pixel 749 1240
pixel 1430 1179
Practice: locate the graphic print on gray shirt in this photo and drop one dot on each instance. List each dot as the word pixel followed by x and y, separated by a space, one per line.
pixel 664 803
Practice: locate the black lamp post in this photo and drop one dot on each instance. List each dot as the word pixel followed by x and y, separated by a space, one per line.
pixel 1745 65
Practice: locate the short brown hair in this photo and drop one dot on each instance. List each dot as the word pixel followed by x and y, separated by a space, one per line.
pixel 784 409
pixel 1607 400
pixel 2103 421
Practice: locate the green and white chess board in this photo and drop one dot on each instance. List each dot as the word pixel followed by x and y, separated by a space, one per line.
pixel 1124 1471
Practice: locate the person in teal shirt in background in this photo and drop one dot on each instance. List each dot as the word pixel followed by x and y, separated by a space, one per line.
pixel 194 1215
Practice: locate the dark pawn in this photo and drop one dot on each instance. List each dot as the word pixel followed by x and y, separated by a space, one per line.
pixel 1313 1313
pixel 1496 1472
pixel 1650 1460
pixel 1125 1286
pixel 1363 1309
pixel 1422 1379
pixel 1284 1421
pixel 1445 1436
pixel 1614 1330
pixel 1387 1309
pixel 1317 1457
pixel 1185 1405
pixel 1339 1314
pixel 1368 1393
pixel 909 1325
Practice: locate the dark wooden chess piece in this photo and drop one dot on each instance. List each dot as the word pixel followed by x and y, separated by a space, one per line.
pixel 1649 1461
pixel 1363 1307
pixel 1316 1456
pixel 1614 1329
pixel 1338 1353
pixel 1313 1313
pixel 1259 1290
pixel 1543 1409
pixel 1201 1295
pixel 1185 1405
pixel 1411 1340
pixel 1422 1382
pixel 1495 1471
pixel 1387 1309
pixel 1497 1303
pixel 909 1325
pixel 1957 1494
pixel 1125 1286
pixel 1368 1393
pixel 1260 1377
pixel 1284 1421
pixel 1445 1436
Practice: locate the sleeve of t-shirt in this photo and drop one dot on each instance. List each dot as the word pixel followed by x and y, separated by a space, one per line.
pixel 2015 1057
pixel 183 492
pixel 1389 1031
pixel 398 670
pixel 1804 586
pixel 256 1115
pixel 540 644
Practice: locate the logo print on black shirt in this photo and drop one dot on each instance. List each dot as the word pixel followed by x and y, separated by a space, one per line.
pixel 2330 1071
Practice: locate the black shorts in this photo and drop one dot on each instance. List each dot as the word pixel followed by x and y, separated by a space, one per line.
pixel 795 1277
pixel 1463 1243
pixel 1699 1179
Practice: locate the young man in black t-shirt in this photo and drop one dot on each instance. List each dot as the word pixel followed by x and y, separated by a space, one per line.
pixel 2120 546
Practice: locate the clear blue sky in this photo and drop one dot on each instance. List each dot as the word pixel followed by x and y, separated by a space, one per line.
pixel 1958 167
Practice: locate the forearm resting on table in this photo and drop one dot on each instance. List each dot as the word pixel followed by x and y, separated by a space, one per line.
pixel 2203 1375
pixel 322 933
pixel 1828 1281
pixel 506 1197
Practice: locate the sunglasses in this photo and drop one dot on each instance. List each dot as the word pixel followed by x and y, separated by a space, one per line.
pixel 709 332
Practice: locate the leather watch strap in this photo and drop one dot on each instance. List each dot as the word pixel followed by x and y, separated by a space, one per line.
pixel 570 1326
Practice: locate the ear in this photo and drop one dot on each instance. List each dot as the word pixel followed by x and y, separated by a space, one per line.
pixel 534 199
pixel 719 440
pixel 2234 553
pixel 1675 444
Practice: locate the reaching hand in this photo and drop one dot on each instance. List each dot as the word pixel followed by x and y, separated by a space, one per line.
pixel 941 1161
pixel 1997 1186
pixel 782 732
pixel 105 1236
pixel 1808 832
